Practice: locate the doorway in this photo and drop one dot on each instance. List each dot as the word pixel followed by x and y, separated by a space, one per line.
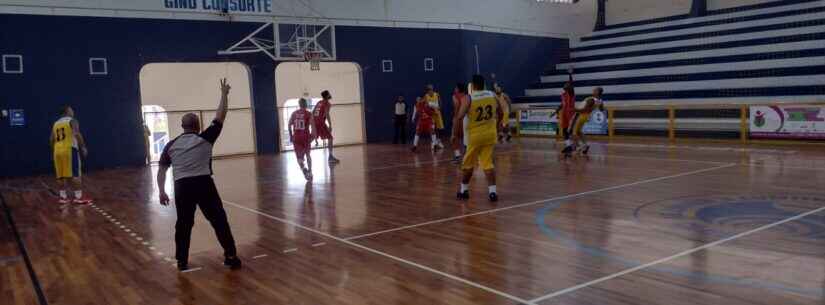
pixel 295 80
pixel 156 130
pixel 170 90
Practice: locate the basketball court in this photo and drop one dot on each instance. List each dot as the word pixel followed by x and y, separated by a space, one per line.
pixel 641 223
pixel 663 152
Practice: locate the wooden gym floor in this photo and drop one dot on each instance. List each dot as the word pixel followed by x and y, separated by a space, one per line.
pixel 634 223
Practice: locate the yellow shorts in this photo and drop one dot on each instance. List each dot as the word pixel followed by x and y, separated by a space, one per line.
pixel 439 121
pixel 581 119
pixel 67 163
pixel 479 155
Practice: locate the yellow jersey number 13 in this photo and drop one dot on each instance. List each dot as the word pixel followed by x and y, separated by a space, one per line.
pixel 63 135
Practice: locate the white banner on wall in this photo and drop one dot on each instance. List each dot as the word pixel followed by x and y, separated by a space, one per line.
pixel 787 122
pixel 538 122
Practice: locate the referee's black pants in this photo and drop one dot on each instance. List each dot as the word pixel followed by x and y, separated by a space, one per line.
pixel 191 193
pixel 400 125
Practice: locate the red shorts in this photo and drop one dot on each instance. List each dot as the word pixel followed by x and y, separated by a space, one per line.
pixel 322 131
pixel 301 145
pixel 424 127
pixel 566 119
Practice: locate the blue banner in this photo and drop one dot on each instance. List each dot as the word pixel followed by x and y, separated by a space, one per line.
pixel 597 124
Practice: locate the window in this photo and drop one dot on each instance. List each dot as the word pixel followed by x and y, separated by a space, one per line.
pixel 429 64
pixel 386 65
pixel 98 66
pixel 12 64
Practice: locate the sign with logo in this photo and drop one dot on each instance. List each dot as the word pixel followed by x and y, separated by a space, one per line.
pixel 787 122
pixel 597 124
pixel 538 122
pixel 17 117
pixel 229 6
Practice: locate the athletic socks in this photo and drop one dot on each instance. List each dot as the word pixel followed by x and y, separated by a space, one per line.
pixel 493 195
pixel 63 194
pixel 78 194
pixel 415 140
pixel 463 193
pixel 457 153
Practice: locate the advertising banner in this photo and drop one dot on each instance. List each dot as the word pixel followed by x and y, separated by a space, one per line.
pixel 538 122
pixel 597 125
pixel 787 122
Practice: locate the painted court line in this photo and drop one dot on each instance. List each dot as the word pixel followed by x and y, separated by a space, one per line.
pixel 630 157
pixel 543 201
pixel 191 270
pixel 704 148
pixel 288 250
pixel 409 164
pixel 677 255
pixel 319 244
pixel 386 255
pixel 259 256
pixel 433 161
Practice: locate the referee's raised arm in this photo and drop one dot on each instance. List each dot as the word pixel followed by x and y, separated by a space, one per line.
pixel 214 130
pixel 223 105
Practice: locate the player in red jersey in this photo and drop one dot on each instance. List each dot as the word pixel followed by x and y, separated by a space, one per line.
pixel 566 111
pixel 459 95
pixel 322 123
pixel 300 136
pixel 425 124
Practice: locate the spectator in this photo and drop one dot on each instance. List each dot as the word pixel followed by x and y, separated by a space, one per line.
pixel 400 121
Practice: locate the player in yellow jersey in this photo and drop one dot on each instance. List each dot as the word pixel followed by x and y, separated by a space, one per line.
pixel 434 100
pixel 583 115
pixel 503 118
pixel 480 122
pixel 68 146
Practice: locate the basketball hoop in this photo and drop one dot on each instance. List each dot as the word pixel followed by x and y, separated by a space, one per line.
pixel 314 59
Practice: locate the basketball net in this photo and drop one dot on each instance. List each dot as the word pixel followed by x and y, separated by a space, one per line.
pixel 314 59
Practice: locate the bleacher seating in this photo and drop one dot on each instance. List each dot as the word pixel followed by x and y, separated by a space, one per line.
pixel 769 53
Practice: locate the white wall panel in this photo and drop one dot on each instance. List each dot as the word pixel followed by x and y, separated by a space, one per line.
pixel 193 86
pixel 622 11
pixel 342 79
pixel 720 4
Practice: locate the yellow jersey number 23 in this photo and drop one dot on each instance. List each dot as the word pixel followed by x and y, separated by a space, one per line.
pixel 482 119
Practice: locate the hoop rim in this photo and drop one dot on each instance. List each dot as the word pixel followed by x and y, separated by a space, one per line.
pixel 312 56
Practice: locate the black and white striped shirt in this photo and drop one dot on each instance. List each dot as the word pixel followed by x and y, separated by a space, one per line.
pixel 190 154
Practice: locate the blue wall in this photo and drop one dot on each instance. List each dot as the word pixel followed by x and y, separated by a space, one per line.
pixel 56 51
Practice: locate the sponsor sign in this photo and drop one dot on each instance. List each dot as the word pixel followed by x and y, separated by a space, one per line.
pixel 787 122
pixel 538 122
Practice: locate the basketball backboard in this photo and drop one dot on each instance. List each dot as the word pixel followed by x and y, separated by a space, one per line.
pixel 288 41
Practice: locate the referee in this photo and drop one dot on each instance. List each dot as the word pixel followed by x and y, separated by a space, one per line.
pixel 190 156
